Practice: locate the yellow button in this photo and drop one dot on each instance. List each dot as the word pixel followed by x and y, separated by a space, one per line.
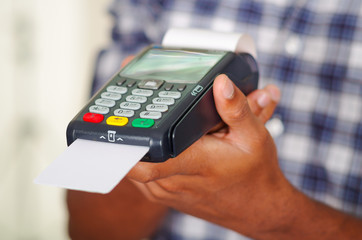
pixel 117 121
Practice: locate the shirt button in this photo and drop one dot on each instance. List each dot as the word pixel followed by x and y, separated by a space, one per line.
pixel 275 127
pixel 293 45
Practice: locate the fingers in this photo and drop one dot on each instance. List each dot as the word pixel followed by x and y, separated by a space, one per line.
pixel 126 61
pixel 232 106
pixel 171 188
pixel 263 102
pixel 146 172
pixel 183 164
pixel 142 187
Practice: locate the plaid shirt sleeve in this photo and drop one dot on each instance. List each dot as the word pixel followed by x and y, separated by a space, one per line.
pixel 311 49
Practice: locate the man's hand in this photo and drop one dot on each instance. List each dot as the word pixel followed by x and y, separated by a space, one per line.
pixel 230 176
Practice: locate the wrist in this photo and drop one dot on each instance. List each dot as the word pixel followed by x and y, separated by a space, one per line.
pixel 282 212
pixel 274 213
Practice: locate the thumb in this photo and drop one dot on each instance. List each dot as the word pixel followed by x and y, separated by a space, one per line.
pixel 232 106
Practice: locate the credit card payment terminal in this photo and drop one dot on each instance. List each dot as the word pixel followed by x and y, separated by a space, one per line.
pixel 162 99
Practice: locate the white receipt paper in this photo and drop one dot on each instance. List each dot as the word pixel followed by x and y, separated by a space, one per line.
pixel 206 39
pixel 91 166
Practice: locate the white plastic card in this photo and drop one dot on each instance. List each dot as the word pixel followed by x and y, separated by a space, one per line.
pixel 91 166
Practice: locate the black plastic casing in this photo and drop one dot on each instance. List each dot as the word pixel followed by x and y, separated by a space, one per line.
pixel 189 119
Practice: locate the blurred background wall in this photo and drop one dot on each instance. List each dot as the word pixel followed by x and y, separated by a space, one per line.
pixel 47 53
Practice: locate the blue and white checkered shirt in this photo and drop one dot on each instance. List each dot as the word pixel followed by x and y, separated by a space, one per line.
pixel 311 49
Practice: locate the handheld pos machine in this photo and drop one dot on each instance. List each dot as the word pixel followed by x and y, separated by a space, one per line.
pixel 152 109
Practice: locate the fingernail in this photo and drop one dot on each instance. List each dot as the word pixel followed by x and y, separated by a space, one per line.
pixel 263 100
pixel 228 90
pixel 274 93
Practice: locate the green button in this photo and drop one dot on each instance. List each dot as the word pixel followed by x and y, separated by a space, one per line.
pixel 143 123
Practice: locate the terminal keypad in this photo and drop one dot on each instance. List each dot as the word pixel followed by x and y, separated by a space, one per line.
pixel 147 101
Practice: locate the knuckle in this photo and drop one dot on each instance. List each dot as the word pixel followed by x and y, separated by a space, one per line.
pixel 170 186
pixel 154 197
pixel 150 174
pixel 159 195
pixel 263 138
pixel 264 117
pixel 239 111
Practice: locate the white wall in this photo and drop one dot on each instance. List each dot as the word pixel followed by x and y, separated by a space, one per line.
pixel 47 51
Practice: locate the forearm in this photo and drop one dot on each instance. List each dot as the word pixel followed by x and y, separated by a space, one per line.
pixel 315 220
pixel 123 214
pixel 296 216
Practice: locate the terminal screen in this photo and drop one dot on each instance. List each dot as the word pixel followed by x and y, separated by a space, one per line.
pixel 174 66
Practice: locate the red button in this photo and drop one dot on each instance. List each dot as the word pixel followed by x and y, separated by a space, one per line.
pixel 93 117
